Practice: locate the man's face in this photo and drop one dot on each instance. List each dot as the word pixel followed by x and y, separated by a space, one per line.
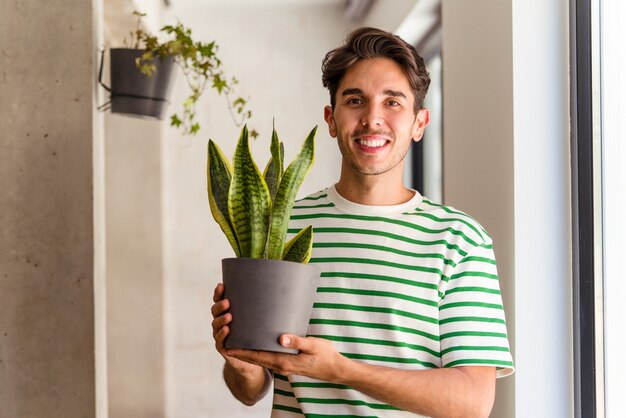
pixel 373 119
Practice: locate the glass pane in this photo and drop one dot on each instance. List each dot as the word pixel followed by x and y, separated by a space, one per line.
pixel 613 62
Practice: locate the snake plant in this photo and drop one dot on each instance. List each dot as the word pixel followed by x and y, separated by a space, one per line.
pixel 253 208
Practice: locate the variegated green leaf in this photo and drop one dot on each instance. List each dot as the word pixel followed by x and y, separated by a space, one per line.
pixel 219 174
pixel 299 248
pixel 278 153
pixel 274 169
pixel 282 158
pixel 269 174
pixel 286 195
pixel 248 201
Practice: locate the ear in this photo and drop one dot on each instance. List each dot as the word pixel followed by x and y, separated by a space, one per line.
pixel 330 120
pixel 421 120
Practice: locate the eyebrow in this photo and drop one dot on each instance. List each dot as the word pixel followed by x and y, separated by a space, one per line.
pixel 387 92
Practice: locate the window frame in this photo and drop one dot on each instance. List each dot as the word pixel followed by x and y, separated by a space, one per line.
pixel 586 209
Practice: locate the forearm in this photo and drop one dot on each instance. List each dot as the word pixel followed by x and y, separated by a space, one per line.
pixel 466 392
pixel 448 392
pixel 248 386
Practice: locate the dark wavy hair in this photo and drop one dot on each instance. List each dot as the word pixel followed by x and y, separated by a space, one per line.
pixel 375 43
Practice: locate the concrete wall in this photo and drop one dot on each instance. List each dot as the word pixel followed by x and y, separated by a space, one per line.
pixel 48 263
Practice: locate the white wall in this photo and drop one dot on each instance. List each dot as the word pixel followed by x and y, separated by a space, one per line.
pixel 478 138
pixel 614 184
pixel 134 268
pixel 543 276
pixel 506 161
pixel 276 54
pixel 133 218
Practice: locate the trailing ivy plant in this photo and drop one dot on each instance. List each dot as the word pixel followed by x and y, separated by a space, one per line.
pixel 201 66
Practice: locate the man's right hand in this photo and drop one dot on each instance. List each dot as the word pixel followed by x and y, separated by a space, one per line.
pixel 247 382
pixel 221 319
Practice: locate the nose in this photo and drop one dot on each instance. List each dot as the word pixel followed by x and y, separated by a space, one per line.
pixel 372 116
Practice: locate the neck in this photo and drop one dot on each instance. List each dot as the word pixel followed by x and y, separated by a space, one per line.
pixel 369 190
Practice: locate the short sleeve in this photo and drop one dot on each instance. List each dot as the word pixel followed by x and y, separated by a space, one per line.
pixel 471 316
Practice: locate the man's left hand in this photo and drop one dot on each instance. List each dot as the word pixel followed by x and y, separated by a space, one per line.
pixel 317 358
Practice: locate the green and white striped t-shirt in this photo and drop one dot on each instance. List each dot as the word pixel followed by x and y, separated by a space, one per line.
pixel 411 286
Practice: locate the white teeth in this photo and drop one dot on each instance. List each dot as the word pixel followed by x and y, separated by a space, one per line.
pixel 372 143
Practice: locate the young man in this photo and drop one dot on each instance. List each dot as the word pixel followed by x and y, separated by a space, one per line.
pixel 408 318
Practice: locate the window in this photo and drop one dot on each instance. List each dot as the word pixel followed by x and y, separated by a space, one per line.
pixel 599 181
pixel 612 15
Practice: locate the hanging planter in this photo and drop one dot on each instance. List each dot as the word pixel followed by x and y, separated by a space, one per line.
pixel 133 92
pixel 141 76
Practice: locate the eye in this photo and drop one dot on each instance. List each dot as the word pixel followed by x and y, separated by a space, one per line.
pixel 393 102
pixel 354 101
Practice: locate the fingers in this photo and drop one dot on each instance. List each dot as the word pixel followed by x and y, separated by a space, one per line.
pixel 266 359
pixel 293 341
pixel 220 307
pixel 221 318
pixel 220 332
pixel 221 321
pixel 218 293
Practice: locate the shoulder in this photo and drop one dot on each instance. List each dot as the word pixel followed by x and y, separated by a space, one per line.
pixel 441 216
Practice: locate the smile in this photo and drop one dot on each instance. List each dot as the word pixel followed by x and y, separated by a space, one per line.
pixel 372 143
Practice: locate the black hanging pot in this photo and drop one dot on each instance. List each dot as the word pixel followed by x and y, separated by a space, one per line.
pixel 134 93
pixel 267 299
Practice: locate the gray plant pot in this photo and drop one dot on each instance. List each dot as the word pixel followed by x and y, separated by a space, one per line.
pixel 267 299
